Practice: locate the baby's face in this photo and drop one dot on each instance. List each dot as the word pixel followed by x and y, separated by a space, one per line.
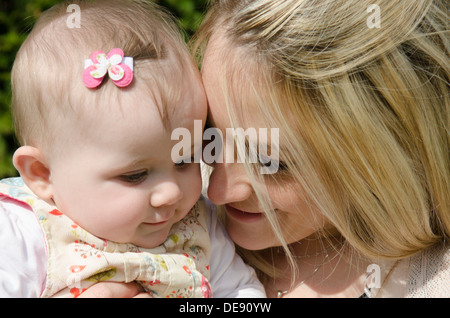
pixel 117 179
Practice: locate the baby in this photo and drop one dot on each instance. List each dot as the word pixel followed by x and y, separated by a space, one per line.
pixel 94 107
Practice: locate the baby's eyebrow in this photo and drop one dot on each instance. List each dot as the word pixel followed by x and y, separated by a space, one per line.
pixel 132 164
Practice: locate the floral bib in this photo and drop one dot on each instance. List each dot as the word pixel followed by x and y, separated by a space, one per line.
pixel 77 259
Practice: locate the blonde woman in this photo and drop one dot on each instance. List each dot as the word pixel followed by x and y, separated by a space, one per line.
pixel 359 205
pixel 359 90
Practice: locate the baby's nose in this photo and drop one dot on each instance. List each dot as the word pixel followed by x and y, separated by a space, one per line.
pixel 166 193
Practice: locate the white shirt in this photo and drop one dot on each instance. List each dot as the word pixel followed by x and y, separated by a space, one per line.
pixel 23 257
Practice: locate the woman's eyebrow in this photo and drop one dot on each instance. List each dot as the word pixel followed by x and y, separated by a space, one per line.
pixel 263 145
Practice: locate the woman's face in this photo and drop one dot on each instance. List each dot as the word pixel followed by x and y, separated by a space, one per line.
pixel 229 185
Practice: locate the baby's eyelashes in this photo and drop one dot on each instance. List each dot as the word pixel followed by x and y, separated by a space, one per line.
pixel 134 177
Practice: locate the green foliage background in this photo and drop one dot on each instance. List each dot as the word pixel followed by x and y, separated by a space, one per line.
pixel 16 19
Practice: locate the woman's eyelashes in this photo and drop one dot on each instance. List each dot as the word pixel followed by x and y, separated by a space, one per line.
pixel 275 166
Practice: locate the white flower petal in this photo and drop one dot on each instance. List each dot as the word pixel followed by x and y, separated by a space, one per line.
pixel 102 59
pixel 99 71
pixel 116 72
pixel 115 59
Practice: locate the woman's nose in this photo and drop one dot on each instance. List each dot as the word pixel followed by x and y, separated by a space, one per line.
pixel 166 193
pixel 229 183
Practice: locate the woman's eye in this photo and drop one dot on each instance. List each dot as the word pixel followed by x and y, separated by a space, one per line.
pixel 134 178
pixel 274 166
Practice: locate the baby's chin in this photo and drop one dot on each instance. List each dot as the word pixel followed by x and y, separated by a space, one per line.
pixel 151 236
pixel 153 240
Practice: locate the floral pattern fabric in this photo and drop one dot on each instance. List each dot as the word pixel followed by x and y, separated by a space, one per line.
pixel 77 259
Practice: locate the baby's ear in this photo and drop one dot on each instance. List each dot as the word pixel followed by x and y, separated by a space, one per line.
pixel 34 171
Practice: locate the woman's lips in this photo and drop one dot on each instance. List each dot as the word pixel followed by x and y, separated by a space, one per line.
pixel 243 216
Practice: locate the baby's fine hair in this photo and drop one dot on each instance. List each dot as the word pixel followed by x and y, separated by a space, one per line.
pixel 47 73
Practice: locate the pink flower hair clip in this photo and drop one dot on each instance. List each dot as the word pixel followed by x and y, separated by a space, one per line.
pixel 118 67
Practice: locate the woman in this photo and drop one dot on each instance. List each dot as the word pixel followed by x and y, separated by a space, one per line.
pixel 359 90
pixel 363 184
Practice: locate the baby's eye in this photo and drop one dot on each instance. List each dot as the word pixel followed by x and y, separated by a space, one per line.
pixel 183 162
pixel 135 177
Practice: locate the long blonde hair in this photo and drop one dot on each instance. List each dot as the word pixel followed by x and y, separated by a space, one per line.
pixel 371 143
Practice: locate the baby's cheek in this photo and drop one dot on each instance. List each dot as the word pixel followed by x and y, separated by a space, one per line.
pixel 192 186
pixel 116 220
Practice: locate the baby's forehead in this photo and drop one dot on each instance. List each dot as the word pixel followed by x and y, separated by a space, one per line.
pixel 166 93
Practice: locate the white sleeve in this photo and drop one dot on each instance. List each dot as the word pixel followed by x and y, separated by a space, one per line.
pixel 22 252
pixel 230 277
